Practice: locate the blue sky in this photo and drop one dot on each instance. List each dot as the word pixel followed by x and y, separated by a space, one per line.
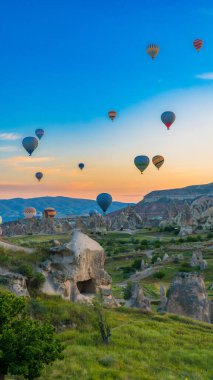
pixel 64 64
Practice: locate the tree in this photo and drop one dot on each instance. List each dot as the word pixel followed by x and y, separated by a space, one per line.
pixel 26 345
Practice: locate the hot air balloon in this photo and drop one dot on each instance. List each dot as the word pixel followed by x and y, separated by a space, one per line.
pixel 93 212
pixel 152 50
pixel 39 215
pixel 168 118
pixel 29 212
pixel 81 166
pixel 39 133
pixel 49 212
pixel 141 162
pixel 1 220
pixel 158 161
pixel 30 144
pixel 104 200
pixel 112 115
pixel 198 43
pixel 39 176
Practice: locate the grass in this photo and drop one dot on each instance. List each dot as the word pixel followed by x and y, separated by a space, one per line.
pixel 142 347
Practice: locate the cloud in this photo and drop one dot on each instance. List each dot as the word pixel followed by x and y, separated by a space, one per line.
pixel 8 149
pixel 21 160
pixel 205 76
pixel 9 136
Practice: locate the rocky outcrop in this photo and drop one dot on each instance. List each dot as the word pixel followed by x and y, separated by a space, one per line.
pixel 36 226
pixel 187 296
pixel 125 219
pixel 163 300
pixel 76 271
pixel 138 300
pixel 14 282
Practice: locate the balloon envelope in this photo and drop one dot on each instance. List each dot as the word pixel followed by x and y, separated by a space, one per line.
pixel 49 212
pixel 104 200
pixel 198 43
pixel 112 115
pixel 30 144
pixel 39 133
pixel 152 50
pixel 158 161
pixel 81 166
pixel 141 162
pixel 168 118
pixel 29 212
pixel 39 176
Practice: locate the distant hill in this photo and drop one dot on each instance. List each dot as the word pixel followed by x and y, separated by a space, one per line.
pixel 184 193
pixel 12 209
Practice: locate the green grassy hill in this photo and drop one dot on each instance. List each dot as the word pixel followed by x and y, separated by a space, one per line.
pixel 144 347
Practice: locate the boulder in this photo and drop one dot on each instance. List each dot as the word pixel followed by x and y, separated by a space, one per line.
pixel 187 296
pixel 15 283
pixel 76 272
pixel 138 300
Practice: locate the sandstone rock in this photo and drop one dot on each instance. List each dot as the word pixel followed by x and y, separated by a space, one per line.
pixel 76 271
pixel 163 300
pixel 138 300
pixel 14 282
pixel 203 264
pixel 187 296
pixel 165 257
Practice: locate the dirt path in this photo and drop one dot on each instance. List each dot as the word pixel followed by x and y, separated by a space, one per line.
pixel 15 248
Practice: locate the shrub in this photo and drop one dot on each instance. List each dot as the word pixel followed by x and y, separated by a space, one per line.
pixel 128 291
pixel 160 274
pixel 137 264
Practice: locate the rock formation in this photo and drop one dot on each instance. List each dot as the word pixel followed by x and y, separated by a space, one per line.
pixel 76 271
pixel 163 300
pixel 138 300
pixel 14 282
pixel 187 296
pixel 36 226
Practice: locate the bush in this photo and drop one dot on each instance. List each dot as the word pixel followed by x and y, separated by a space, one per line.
pixel 160 274
pixel 37 281
pixel 137 264
pixel 26 270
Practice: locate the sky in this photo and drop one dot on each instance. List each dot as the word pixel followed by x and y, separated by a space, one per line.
pixel 64 64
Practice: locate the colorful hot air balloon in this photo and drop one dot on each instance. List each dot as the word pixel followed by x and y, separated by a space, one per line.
pixel 39 133
pixel 1 220
pixel 49 213
pixel 112 115
pixel 198 43
pixel 141 162
pixel 153 50
pixel 104 200
pixel 158 161
pixel 30 144
pixel 81 166
pixel 29 212
pixel 39 215
pixel 168 118
pixel 39 176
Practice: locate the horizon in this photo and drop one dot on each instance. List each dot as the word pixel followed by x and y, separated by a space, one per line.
pixel 65 65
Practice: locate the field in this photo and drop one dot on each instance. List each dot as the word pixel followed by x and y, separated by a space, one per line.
pixel 147 347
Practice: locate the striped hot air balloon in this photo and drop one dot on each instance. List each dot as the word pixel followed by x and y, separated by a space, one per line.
pixel 112 115
pixel 49 213
pixel 198 43
pixel 153 50
pixel 158 161
pixel 168 118
pixel 30 212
